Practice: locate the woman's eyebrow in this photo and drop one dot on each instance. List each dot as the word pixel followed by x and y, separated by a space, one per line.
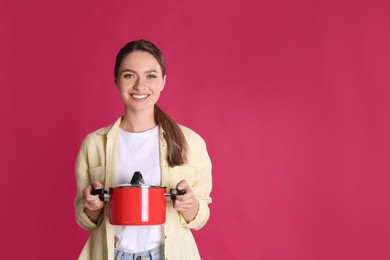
pixel 150 71
pixel 127 70
pixel 133 71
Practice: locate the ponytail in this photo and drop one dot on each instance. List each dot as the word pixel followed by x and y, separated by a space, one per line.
pixel 176 142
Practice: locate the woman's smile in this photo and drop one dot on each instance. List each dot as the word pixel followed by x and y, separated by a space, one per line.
pixel 139 97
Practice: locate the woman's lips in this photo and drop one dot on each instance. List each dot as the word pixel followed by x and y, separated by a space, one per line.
pixel 139 96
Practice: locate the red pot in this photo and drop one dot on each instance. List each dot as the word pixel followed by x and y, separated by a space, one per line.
pixel 137 204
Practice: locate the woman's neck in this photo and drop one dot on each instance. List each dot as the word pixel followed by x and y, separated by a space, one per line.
pixel 136 122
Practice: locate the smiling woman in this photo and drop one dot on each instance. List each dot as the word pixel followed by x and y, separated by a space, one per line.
pixel 140 81
pixel 146 140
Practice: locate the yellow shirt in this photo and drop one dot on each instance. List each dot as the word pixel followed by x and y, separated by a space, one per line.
pixel 97 160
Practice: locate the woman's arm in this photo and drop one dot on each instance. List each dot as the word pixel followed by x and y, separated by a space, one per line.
pixel 199 184
pixel 86 217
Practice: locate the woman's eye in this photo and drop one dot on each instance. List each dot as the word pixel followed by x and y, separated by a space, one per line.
pixel 128 76
pixel 151 76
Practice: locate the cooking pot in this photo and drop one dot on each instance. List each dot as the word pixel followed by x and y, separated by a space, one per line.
pixel 136 203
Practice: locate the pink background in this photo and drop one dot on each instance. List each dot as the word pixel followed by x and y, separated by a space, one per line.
pixel 292 98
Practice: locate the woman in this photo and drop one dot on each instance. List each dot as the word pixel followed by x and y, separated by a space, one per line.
pixel 144 139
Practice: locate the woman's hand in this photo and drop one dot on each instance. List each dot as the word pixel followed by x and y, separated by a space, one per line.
pixel 186 204
pixel 92 204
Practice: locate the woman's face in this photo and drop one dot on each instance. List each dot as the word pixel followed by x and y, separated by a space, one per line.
pixel 140 81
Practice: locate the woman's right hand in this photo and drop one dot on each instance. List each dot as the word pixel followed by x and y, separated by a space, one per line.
pixel 92 202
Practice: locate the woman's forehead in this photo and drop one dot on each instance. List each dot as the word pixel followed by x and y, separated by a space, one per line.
pixel 140 60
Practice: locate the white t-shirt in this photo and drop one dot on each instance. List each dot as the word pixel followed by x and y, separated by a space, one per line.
pixel 139 152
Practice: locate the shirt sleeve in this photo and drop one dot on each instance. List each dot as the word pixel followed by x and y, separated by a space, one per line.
pixel 82 181
pixel 202 186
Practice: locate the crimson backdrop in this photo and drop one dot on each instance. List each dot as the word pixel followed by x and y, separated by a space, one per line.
pixel 292 98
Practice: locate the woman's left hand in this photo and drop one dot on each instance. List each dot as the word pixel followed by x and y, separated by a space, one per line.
pixel 187 204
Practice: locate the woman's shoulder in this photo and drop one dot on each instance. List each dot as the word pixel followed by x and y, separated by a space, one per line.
pixel 101 133
pixel 190 135
pixel 187 131
pixel 197 148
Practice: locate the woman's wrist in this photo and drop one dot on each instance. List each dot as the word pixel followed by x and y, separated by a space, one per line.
pixel 93 215
pixel 190 214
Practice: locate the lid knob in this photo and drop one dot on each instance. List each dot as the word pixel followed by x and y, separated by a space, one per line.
pixel 137 179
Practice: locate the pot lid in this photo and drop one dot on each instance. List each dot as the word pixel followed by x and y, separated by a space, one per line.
pixel 129 185
pixel 137 181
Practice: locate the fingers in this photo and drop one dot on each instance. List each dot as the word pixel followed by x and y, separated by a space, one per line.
pixel 184 202
pixel 92 202
pixel 183 185
pixel 97 185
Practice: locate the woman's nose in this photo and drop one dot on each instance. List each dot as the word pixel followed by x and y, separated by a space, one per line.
pixel 139 84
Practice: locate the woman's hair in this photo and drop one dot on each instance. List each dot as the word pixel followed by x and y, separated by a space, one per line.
pixel 176 142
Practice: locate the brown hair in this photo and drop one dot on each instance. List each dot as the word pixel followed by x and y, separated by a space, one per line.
pixel 176 142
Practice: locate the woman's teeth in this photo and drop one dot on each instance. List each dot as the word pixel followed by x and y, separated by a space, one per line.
pixel 139 96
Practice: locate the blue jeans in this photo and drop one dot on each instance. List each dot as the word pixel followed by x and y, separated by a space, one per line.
pixel 153 254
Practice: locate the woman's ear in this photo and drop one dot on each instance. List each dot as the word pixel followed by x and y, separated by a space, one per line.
pixel 164 80
pixel 115 81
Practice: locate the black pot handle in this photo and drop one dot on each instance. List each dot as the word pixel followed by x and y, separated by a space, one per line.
pixel 99 192
pixel 175 192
